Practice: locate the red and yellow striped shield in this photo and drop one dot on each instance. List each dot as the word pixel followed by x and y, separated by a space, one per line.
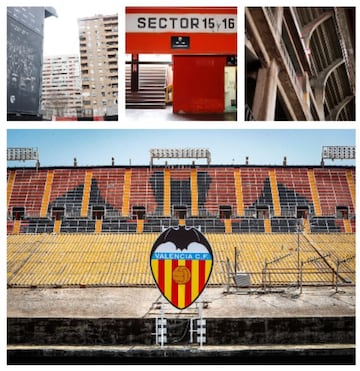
pixel 181 262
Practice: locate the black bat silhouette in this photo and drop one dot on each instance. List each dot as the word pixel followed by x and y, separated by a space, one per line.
pixel 182 236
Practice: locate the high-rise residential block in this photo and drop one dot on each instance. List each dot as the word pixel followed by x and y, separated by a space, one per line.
pixel 61 87
pixel 98 37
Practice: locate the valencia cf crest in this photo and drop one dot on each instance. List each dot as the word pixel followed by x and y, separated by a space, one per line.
pixel 181 262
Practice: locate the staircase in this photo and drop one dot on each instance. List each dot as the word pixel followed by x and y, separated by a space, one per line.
pixel 275 193
pixel 126 193
pixel 238 191
pixel 10 184
pixel 314 192
pixel 347 226
pixel 227 223
pixel 57 226
pixel 194 193
pixel 267 225
pixel 351 183
pixel 98 225
pixel 167 193
pixel 307 227
pixel 46 196
pixel 16 229
pixel 140 226
pixel 86 194
pixel 152 83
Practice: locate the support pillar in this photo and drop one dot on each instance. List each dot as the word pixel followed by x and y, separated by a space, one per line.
pixel 306 87
pixel 279 13
pixel 319 99
pixel 319 85
pixel 309 29
pixel 265 93
pixel 134 72
pixel 335 112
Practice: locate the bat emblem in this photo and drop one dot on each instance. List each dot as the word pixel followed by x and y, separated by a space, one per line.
pixel 181 262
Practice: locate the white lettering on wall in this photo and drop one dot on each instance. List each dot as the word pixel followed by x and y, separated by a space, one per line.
pixel 190 23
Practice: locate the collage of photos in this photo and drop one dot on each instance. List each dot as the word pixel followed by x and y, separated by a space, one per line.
pixel 167 206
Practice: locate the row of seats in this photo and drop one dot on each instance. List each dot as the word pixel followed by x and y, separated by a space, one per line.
pixel 242 190
pixel 122 259
pixel 276 225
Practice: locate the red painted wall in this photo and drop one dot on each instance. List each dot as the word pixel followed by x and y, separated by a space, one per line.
pixel 198 84
pixel 210 42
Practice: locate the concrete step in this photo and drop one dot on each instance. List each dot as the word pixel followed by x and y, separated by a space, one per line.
pixel 190 354
pixel 152 81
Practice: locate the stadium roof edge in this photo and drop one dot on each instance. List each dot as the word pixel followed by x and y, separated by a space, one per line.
pixel 180 166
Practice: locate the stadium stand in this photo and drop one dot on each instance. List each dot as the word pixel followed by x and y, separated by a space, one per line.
pixel 210 192
pixel 84 226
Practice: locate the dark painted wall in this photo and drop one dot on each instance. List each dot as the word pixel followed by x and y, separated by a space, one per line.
pixel 219 331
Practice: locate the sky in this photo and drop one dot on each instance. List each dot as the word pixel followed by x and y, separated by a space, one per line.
pixel 61 35
pixel 96 147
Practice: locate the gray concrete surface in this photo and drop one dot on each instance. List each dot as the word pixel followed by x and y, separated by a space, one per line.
pixel 246 356
pixel 119 302
pixel 166 115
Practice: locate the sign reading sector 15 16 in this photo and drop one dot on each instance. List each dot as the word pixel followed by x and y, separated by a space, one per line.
pixel 193 23
pixel 181 262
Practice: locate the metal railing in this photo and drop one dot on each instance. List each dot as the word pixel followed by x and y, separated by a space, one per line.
pixel 344 51
pixel 283 278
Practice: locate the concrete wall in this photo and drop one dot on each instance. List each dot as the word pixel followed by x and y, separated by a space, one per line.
pixel 307 330
pixel 220 331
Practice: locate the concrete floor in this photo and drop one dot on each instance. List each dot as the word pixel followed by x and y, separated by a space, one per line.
pixel 123 302
pixel 167 114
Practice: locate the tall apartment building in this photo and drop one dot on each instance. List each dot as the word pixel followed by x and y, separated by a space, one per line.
pixel 61 87
pixel 98 38
pixel 300 63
